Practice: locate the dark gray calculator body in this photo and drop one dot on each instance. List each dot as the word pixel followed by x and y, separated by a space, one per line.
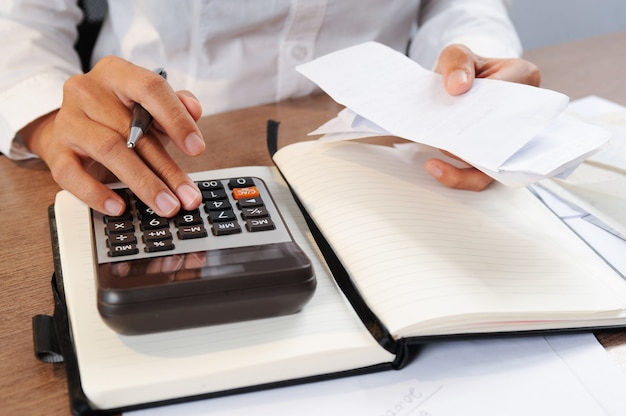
pixel 231 260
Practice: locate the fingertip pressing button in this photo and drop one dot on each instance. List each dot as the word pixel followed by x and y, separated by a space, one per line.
pixel 189 196
pixel 166 203
pixel 113 208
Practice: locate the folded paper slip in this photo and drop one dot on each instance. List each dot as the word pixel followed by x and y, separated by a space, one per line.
pixel 510 131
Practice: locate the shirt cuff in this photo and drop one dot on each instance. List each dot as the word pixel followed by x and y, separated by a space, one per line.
pixel 18 108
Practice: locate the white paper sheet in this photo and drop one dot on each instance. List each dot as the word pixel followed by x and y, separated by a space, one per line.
pixel 556 375
pixel 508 130
pixel 607 241
pixel 598 186
pixel 611 116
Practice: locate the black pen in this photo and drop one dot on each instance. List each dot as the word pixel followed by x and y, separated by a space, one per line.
pixel 141 119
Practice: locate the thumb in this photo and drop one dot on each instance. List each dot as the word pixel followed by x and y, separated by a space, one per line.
pixel 457 67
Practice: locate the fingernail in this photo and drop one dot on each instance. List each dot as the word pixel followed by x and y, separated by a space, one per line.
pixel 194 144
pixel 458 77
pixel 113 208
pixel 166 203
pixel 433 170
pixel 188 195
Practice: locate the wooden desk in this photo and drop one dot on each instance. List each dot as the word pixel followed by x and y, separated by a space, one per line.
pixel 29 387
pixel 593 66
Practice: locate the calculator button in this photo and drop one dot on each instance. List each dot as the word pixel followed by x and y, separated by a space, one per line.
pixel 214 195
pixel 250 202
pixel 260 224
pixel 159 245
pixel 187 218
pixel 248 192
pixel 210 185
pixel 240 183
pixel 152 223
pixel 126 216
pixel 254 212
pixel 226 228
pixel 144 212
pixel 217 206
pixel 114 227
pixel 192 231
pixel 160 234
pixel 221 216
pixel 123 250
pixel 122 238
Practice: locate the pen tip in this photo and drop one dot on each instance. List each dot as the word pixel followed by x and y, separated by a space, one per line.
pixel 133 137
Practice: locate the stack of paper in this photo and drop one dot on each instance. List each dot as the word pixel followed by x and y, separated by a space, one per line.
pixel 608 115
pixel 515 133
pixel 598 187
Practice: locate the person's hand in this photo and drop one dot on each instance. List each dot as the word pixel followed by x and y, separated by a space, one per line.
pixel 87 136
pixel 459 67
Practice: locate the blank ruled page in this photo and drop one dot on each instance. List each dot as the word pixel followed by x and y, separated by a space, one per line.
pixel 432 260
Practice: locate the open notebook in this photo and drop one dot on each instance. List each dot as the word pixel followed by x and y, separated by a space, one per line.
pixel 411 261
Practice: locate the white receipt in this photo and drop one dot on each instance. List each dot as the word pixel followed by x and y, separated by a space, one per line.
pixel 510 131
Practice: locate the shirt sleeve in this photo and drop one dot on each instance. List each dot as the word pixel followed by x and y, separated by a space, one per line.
pixel 483 26
pixel 38 56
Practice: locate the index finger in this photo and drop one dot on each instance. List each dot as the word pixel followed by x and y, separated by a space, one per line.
pixel 135 84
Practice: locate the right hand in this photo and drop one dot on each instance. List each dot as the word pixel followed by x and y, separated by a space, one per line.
pixel 90 129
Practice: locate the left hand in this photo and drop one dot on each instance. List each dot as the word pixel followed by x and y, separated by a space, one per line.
pixel 459 66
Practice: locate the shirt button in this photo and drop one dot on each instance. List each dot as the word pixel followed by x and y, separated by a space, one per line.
pixel 299 52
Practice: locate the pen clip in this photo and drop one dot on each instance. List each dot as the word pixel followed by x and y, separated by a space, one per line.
pixel 161 72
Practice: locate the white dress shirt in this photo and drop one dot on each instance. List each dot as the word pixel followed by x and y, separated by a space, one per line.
pixel 229 53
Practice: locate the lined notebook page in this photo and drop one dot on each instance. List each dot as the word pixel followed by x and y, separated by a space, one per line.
pixel 431 260
pixel 326 336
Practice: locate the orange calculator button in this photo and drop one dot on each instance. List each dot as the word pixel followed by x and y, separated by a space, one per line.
pixel 243 193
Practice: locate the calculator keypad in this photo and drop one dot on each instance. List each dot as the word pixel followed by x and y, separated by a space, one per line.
pixel 235 212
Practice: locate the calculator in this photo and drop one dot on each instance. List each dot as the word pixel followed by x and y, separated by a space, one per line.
pixel 232 259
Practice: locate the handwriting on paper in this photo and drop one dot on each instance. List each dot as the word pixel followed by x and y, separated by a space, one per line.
pixel 408 399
